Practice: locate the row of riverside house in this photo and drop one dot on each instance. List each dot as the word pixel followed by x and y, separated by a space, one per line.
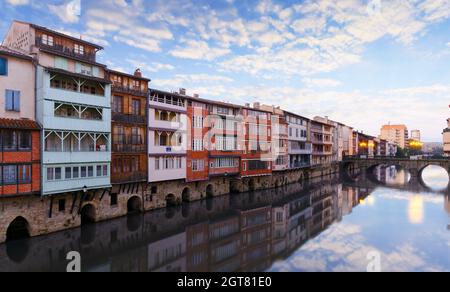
pixel 94 125
pixel 69 124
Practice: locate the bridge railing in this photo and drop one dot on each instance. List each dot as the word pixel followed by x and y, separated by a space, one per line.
pixel 394 158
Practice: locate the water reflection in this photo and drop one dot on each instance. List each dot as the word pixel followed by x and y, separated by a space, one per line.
pixel 435 177
pixel 323 226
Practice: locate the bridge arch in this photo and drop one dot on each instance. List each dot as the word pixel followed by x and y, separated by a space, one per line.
pixel 426 184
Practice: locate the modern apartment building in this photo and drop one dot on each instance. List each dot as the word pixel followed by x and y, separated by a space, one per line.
pixel 299 141
pixel 129 127
pixel 20 170
pixel 322 142
pixel 257 157
pixel 446 139
pixel 73 105
pixel 395 133
pixel 167 136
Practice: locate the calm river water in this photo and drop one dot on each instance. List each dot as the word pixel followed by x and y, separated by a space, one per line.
pixel 327 225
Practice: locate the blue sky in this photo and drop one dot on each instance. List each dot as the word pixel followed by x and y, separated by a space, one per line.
pixel 362 62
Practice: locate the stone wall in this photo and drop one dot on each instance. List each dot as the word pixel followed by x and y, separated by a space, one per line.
pixel 44 216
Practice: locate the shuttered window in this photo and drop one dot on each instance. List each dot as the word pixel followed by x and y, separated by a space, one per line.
pixel 3 66
pixel 12 100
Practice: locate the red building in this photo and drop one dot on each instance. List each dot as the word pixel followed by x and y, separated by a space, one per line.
pixel 257 156
pixel 20 158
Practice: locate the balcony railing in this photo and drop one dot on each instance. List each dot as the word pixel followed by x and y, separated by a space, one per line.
pixel 129 177
pixel 68 52
pixel 136 91
pixel 300 165
pixel 129 118
pixel 129 148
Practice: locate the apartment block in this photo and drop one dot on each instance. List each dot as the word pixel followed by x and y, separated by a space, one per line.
pixel 129 127
pixel 167 136
pixel 73 105
pixel 397 134
pixel 299 141
pixel 342 139
pixel 20 169
pixel 322 142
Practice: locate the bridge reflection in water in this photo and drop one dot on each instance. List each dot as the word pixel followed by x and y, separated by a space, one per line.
pixel 244 232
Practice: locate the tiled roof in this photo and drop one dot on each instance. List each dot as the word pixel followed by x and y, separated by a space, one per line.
pixel 19 124
pixel 9 52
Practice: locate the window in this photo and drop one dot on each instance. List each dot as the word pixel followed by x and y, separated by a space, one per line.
pixel 9 140
pixel 86 69
pixel 9 174
pixel 53 173
pixel 83 171
pixel 79 49
pixel 57 173
pixel 102 170
pixel 76 172
pixel 198 122
pixel 90 171
pixel 68 173
pixel 62 205
pixel 3 66
pixel 50 174
pixel 24 174
pixel 198 165
pixel 12 100
pixel 24 140
pixel 48 40
pixel 118 104
pixel 114 199
pixel 136 107
pixel 197 145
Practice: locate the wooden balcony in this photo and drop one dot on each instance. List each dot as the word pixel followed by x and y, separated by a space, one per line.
pixel 136 91
pixel 129 148
pixel 64 51
pixel 129 118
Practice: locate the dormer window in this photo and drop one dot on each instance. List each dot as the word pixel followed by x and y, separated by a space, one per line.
pixel 79 49
pixel 47 40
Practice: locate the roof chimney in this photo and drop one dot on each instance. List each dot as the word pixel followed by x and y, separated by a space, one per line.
pixel 196 95
pixel 138 73
pixel 182 91
pixel 256 105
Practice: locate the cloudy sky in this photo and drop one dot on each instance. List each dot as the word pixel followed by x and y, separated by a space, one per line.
pixel 362 62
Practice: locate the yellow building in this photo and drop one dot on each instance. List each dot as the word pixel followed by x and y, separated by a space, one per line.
pixel 397 134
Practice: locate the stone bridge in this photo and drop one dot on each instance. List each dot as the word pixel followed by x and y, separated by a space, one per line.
pixel 362 168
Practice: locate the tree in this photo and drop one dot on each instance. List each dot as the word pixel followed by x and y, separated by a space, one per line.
pixel 402 153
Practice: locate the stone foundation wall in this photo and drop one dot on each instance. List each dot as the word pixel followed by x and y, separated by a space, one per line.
pixel 43 219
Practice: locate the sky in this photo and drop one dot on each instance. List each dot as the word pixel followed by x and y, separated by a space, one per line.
pixel 364 63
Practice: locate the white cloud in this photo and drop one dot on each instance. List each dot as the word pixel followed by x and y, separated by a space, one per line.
pixel 150 67
pixel 324 82
pixel 198 50
pixel 68 12
pixel 18 2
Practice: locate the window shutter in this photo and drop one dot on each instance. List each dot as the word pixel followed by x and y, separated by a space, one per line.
pixel 9 100
pixel 3 66
pixel 17 101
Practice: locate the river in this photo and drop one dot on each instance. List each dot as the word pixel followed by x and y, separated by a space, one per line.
pixel 382 223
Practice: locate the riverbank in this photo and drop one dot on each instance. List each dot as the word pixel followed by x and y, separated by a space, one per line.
pixel 35 216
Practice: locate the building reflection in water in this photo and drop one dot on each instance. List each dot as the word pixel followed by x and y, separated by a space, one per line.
pixel 245 232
